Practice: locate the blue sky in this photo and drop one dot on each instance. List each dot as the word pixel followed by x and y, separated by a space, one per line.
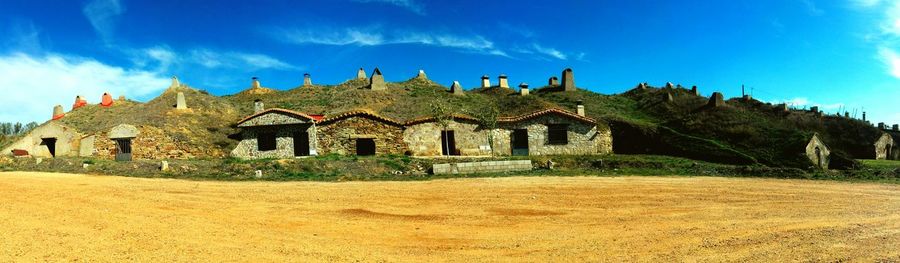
pixel 840 54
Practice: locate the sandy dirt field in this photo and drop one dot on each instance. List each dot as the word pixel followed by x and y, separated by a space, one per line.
pixel 60 217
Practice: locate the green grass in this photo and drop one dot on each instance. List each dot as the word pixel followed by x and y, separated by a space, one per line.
pixel 881 164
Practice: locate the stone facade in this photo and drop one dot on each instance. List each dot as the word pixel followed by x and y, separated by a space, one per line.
pixel 584 138
pixel 424 138
pixel 818 153
pixel 716 100
pixel 377 81
pixel 568 80
pixel 63 141
pixel 884 147
pixel 284 126
pixel 339 134
pixel 147 143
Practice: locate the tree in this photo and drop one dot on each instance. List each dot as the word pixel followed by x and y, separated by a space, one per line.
pixel 442 115
pixel 17 128
pixel 488 116
pixel 6 128
pixel 31 126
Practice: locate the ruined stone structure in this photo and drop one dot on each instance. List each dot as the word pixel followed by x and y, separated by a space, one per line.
pixel 276 133
pixel 49 140
pixel 716 100
pixel 360 133
pixel 485 81
pixel 568 80
pixel 307 80
pixel 523 89
pixel 884 147
pixel 817 152
pixel 180 101
pixel 58 112
pixel 504 83
pixel 553 81
pixel 377 81
pixel 456 88
pixel 361 74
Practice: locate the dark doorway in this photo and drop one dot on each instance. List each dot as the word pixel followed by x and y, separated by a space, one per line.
pixel 519 142
pixel 301 143
pixel 818 157
pixel 365 146
pixel 123 150
pixel 448 143
pixel 51 145
pixel 888 154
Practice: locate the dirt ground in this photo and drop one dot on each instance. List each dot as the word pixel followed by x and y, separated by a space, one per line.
pixel 60 217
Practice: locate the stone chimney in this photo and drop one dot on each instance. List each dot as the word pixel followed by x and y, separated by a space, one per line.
pixel 175 83
pixel 846 114
pixel 747 97
pixel 641 86
pixel 523 89
pixel 180 102
pixel 568 80
pixel 881 125
pixel 377 81
pixel 695 91
pixel 307 80
pixel 783 107
pixel 716 100
pixel 456 89
pixel 814 109
pixel 58 112
pixel 258 106
pixel 421 74
pixel 361 74
pixel 504 83
pixel 580 108
pixel 864 116
pixel 485 81
pixel 669 85
pixel 896 127
pixel 254 83
pixel 554 81
pixel 79 102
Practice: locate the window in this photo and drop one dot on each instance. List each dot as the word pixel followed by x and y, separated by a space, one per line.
pixel 558 133
pixel 266 141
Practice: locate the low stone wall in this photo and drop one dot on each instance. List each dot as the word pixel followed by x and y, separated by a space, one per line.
pixel 482 167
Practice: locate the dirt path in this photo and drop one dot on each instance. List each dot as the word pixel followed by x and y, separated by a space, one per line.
pixel 61 217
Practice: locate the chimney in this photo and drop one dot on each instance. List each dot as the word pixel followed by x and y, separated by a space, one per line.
pixel 377 80
pixel 307 81
pixel 258 106
pixel 747 97
pixel 716 100
pixel 254 84
pixel 695 91
pixel 180 102
pixel 846 114
pixel 79 102
pixel 58 112
pixel 361 74
pixel 896 127
pixel 175 83
pixel 568 80
pixel 485 81
pixel 881 125
pixel 580 108
pixel 421 75
pixel 783 107
pixel 669 85
pixel 456 89
pixel 523 89
pixel 641 86
pixel 814 109
pixel 864 116
pixel 554 81
pixel 106 100
pixel 503 82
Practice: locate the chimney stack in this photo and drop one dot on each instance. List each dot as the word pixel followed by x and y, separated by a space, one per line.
pixel 307 80
pixel 896 127
pixel 568 80
pixel 58 112
pixel 580 108
pixel 554 81
pixel 254 84
pixel 421 74
pixel 180 102
pixel 79 102
pixel 695 91
pixel 881 125
pixel 503 82
pixel 106 100
pixel 361 74
pixel 456 89
pixel 175 83
pixel 258 106
pixel 669 85
pixel 716 100
pixel 523 89
pixel 864 116
pixel 814 109
pixel 485 81
pixel 377 81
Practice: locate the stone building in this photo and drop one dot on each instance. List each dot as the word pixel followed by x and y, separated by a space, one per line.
pixel 460 135
pixel 276 133
pixel 884 147
pixel 817 153
pixel 50 140
pixel 360 132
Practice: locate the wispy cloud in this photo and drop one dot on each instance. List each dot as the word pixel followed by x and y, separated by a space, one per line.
pixel 891 59
pixel 160 58
pixel 375 37
pixel 547 53
pixel 22 35
pixel 887 38
pixel 103 14
pixel 28 79
pixel 411 5
pixel 811 8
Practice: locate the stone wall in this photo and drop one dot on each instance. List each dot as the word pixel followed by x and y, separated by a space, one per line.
pixel 584 138
pixel 881 146
pixel 824 153
pixel 284 137
pixel 339 136
pixel 482 167
pixel 424 139
pixel 68 141
pixel 150 143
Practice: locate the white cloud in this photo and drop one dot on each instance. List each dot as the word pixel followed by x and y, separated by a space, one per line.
pixel 230 59
pixel 362 37
pixel 891 59
pixel 549 51
pixel 865 3
pixel 102 15
pixel 410 5
pixel 34 84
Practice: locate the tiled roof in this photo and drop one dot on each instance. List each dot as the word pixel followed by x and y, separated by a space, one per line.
pixel 545 112
pixel 432 119
pixel 289 112
pixel 353 113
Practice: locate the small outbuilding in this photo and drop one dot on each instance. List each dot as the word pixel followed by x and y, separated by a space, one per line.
pixel 817 153
pixel 884 147
pixel 49 140
pixel 276 133
pixel 552 132
pixel 360 132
